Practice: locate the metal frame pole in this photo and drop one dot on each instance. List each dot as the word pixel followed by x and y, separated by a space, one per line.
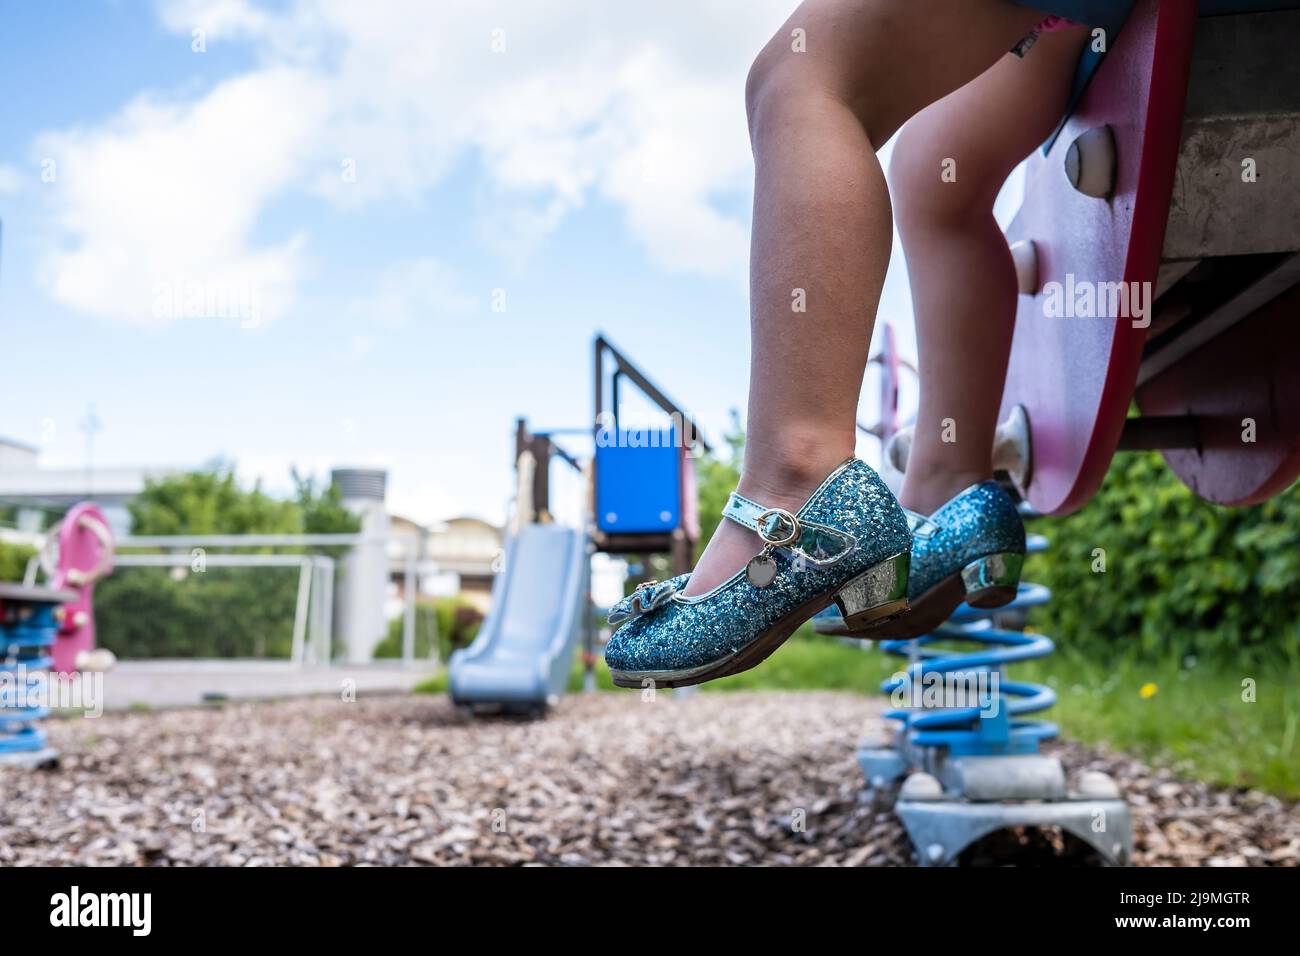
pixel 408 622
pixel 300 612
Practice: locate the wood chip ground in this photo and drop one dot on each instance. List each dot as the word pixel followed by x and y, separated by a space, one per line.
pixel 713 779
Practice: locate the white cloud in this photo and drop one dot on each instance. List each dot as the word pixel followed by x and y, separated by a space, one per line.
pixel 218 19
pixel 360 346
pixel 411 291
pixel 156 208
pixel 640 105
pixel 687 142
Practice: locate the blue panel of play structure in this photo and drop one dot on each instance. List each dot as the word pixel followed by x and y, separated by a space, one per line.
pixel 28 629
pixel 521 657
pixel 639 489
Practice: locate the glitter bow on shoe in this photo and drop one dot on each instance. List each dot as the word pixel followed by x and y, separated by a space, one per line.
pixel 647 597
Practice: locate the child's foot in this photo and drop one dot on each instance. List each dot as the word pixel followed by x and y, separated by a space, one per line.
pixel 930 489
pixel 779 481
pixel 732 545
pixel 970 549
pixel 848 541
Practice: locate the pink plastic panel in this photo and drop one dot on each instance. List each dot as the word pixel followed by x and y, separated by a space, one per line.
pixel 1075 376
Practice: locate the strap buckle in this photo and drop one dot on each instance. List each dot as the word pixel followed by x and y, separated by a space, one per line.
pixel 778 540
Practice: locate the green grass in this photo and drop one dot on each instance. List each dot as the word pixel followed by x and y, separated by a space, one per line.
pixel 437 684
pixel 810 662
pixel 1196 722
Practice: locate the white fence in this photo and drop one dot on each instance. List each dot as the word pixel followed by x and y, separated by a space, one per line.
pixel 314 613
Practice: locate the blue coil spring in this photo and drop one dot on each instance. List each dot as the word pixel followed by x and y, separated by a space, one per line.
pixel 995 725
pixel 27 633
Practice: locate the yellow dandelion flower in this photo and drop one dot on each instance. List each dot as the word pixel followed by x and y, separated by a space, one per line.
pixel 1148 691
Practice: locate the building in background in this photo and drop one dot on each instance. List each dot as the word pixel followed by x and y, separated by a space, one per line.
pixel 455 558
pixel 39 496
pixel 470 549
pixel 458 557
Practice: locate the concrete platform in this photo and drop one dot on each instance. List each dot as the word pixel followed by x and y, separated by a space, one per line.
pixel 189 683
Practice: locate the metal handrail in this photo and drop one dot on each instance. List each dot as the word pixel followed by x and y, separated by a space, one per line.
pixel 256 540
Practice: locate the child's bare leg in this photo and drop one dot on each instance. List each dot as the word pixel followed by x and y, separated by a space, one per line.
pixel 963 281
pixel 822 225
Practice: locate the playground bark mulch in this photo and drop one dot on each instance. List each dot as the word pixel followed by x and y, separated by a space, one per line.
pixel 606 778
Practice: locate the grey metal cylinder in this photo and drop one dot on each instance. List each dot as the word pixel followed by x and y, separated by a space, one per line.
pixel 359 622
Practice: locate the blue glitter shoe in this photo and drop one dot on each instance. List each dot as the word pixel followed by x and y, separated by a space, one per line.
pixel 849 543
pixel 971 550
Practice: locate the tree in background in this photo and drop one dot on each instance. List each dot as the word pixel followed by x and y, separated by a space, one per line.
pixel 13 557
pixel 1147 567
pixel 716 476
pixel 216 612
pixel 210 502
pixel 13 560
pixel 322 509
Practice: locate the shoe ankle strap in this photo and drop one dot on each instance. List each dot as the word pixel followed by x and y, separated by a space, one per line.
pixel 784 530
pixel 770 524
pixel 920 525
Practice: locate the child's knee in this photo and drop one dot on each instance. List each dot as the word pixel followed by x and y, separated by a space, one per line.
pixel 929 187
pixel 772 82
pixel 912 167
pixel 790 85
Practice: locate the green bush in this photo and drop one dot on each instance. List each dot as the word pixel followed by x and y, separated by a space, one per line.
pixel 220 612
pixel 453 620
pixel 13 560
pixel 1182 576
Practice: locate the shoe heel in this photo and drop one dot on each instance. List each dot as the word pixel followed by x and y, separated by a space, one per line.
pixel 875 594
pixel 992 581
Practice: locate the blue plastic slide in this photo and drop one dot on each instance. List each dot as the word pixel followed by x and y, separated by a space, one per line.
pixel 521 657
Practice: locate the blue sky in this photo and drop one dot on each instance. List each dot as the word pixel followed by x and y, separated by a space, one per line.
pixel 586 159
